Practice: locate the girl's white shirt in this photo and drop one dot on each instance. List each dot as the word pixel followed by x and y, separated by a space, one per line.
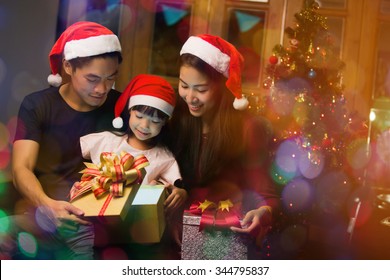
pixel 162 164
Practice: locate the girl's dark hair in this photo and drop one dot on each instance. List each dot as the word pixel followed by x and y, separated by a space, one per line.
pixel 79 62
pixel 198 163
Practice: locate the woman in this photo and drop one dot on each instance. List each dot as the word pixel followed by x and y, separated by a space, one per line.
pixel 222 151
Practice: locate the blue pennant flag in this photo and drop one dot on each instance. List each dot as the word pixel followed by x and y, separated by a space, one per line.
pixel 173 15
pixel 246 21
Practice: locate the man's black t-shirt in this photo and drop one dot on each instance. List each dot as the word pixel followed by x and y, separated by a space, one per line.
pixel 46 118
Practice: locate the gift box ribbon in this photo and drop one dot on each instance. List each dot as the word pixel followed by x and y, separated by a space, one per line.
pixel 110 176
pixel 222 214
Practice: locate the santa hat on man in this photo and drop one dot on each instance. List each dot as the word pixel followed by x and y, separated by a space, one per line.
pixel 224 58
pixel 81 39
pixel 148 90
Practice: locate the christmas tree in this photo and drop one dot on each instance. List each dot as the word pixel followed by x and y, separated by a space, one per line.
pixel 305 84
pixel 312 128
pixel 304 79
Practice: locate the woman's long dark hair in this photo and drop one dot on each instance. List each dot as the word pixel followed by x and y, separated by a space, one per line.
pixel 199 163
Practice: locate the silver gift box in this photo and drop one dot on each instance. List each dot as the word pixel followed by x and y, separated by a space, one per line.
pixel 211 243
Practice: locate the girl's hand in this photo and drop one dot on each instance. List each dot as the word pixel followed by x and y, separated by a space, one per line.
pixel 175 199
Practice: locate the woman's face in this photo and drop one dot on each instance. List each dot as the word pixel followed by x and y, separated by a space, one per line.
pixel 197 91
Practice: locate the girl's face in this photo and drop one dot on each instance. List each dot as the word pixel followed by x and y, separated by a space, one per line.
pixel 92 82
pixel 143 126
pixel 197 91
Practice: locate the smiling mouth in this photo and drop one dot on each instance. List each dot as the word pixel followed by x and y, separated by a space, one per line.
pixel 194 108
pixel 142 133
pixel 97 97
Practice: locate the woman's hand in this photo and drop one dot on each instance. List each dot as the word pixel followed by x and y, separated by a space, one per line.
pixel 256 223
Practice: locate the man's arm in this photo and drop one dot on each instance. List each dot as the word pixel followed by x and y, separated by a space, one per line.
pixel 24 157
pixel 25 153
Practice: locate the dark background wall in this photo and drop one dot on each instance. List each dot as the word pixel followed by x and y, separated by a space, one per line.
pixel 27 33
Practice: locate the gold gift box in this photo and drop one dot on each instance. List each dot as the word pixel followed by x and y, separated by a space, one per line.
pixel 146 215
pixel 116 208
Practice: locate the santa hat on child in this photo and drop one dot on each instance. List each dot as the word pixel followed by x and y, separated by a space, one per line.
pixel 81 39
pixel 224 58
pixel 148 90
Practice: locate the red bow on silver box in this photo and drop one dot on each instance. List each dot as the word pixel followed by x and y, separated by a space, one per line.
pixel 223 214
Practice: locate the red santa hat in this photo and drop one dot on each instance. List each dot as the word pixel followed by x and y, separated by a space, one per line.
pixel 148 90
pixel 81 39
pixel 224 58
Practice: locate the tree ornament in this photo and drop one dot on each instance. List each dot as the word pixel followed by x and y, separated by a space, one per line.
pixel 294 42
pixel 311 48
pixel 312 74
pixel 273 59
pixel 293 66
pixel 326 141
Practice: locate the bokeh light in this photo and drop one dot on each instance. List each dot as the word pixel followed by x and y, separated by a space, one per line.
pixel 287 156
pixel 282 101
pixel 128 18
pixel 358 154
pixel 4 222
pixel 27 244
pixel 280 176
pixel 297 195
pixel 383 147
pixel 311 164
pixel 3 183
pixel 45 218
pixel 5 158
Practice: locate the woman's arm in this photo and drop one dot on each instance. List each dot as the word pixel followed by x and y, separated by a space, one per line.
pixel 257 163
pixel 260 191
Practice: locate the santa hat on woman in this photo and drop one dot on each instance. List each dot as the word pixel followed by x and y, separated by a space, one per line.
pixel 148 90
pixel 224 58
pixel 81 39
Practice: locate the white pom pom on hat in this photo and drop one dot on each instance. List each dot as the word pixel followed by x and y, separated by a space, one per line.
pixel 81 39
pixel 240 103
pixel 224 58
pixel 148 90
pixel 117 122
pixel 54 80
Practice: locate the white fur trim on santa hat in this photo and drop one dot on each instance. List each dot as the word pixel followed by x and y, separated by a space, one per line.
pixel 152 101
pixel 240 103
pixel 54 80
pixel 92 46
pixel 208 53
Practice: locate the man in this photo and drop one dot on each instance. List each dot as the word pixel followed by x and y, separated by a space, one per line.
pixel 46 152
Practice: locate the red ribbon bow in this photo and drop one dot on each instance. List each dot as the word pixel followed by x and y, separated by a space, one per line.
pixel 222 214
pixel 111 175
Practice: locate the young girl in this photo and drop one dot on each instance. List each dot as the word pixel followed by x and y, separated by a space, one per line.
pixel 151 101
pixel 222 151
